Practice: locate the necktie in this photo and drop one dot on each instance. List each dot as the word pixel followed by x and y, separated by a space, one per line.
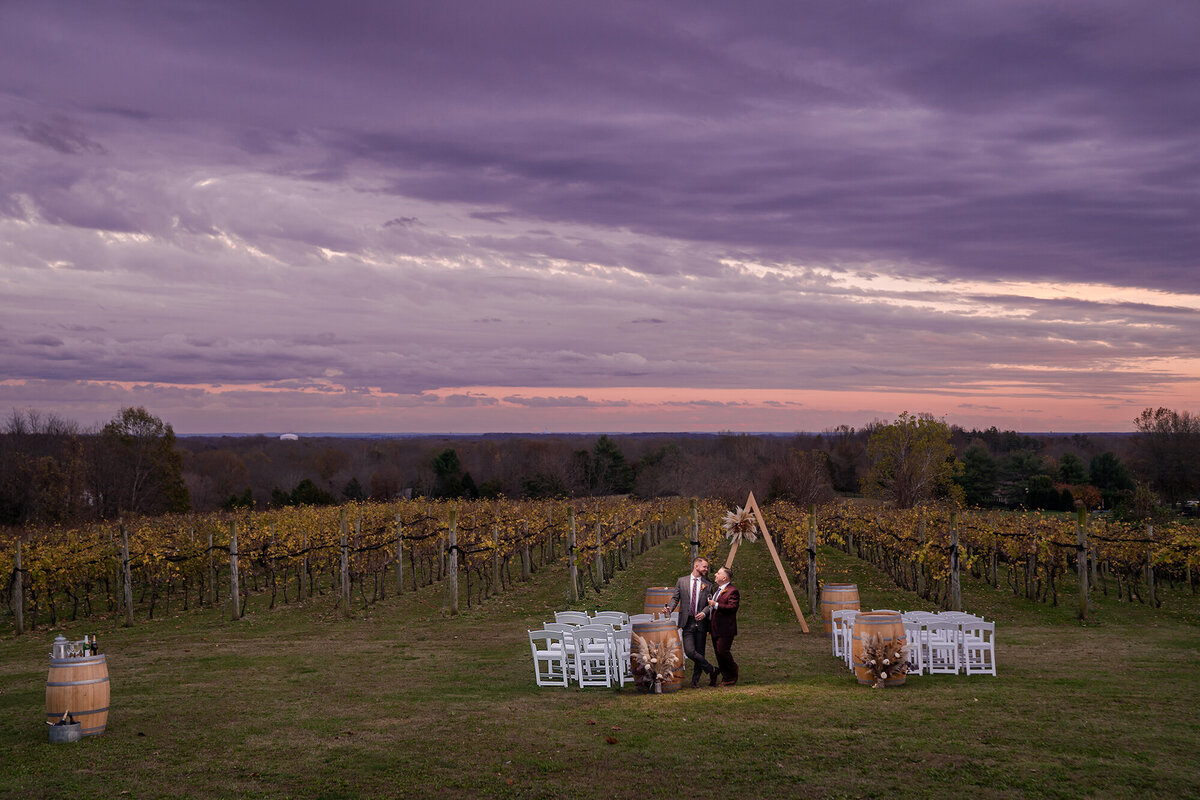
pixel 695 594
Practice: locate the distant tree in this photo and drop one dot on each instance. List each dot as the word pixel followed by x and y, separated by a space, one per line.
pixel 450 481
pixel 308 493
pixel 1017 469
pixel 1110 475
pixel 847 456
pixel 543 485
pixel 610 473
pixel 1071 469
pixel 912 461
pixel 490 490
pixel 215 475
pixel 1167 452
pixel 385 483
pixel 978 478
pixel 244 500
pixel 1006 441
pixel 802 476
pixel 353 490
pixel 1066 499
pixel 43 470
pixel 328 462
pixel 1041 493
pixel 139 469
pixel 660 472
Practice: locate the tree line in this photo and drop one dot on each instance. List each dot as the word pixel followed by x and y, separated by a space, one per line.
pixel 54 471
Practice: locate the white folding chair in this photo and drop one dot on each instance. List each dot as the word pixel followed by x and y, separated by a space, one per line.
pixel 566 629
pixel 836 623
pixel 572 617
pixel 915 635
pixel 847 633
pixel 614 618
pixel 979 648
pixel 942 648
pixel 593 655
pixel 641 618
pixel 622 641
pixel 550 663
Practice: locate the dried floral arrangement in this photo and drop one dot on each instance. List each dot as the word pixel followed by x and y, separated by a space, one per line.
pixel 738 525
pixel 654 662
pixel 885 659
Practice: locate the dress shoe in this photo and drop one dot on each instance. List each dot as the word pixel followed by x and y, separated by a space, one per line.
pixel 695 683
pixel 729 683
pixel 713 677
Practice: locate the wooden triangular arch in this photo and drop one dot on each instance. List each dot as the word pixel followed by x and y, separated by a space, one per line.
pixel 752 506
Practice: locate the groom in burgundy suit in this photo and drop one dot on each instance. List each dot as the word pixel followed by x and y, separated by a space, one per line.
pixel 722 612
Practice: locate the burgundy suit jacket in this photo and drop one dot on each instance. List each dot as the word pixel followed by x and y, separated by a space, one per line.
pixel 724 616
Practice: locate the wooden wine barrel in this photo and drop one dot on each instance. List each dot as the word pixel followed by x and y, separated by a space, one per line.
pixel 837 597
pixel 79 685
pixel 877 623
pixel 656 598
pixel 663 631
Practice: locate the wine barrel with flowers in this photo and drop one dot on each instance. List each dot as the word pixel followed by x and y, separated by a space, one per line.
pixel 837 597
pixel 880 651
pixel 657 656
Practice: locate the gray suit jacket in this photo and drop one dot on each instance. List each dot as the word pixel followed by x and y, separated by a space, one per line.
pixel 681 599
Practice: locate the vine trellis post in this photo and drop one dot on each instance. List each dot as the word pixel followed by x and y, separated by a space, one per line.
pixel 18 593
pixel 399 556
pixel 695 540
pixel 1151 594
pixel 452 568
pixel 1081 562
pixel 235 595
pixel 572 567
pixel 812 557
pixel 344 565
pixel 128 576
pixel 955 578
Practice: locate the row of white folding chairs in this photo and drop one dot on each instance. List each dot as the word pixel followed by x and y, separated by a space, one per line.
pixel 591 655
pixel 951 642
pixel 942 644
pixel 614 618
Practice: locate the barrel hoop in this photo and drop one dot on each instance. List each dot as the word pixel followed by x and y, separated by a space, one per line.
pixel 78 662
pixel 77 683
pixel 74 713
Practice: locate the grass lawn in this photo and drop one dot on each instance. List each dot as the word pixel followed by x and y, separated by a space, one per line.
pixel 400 702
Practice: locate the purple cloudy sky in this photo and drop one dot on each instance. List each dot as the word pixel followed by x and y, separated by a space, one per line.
pixel 525 216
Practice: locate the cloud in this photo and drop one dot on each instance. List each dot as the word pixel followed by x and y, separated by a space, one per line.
pixel 574 401
pixel 924 199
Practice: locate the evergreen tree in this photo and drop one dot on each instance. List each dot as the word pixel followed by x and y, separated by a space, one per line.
pixel 979 476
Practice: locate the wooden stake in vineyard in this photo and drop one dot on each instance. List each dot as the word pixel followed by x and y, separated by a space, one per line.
pixel 235 594
pixel 128 575
pixel 741 524
pixel 18 593
pixel 1081 561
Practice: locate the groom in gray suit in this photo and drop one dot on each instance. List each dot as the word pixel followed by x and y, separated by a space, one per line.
pixel 691 598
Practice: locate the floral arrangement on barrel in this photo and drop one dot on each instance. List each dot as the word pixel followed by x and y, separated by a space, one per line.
pixel 884 658
pixel 738 525
pixel 654 662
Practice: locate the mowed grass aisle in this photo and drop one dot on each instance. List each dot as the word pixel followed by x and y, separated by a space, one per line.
pixel 400 702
